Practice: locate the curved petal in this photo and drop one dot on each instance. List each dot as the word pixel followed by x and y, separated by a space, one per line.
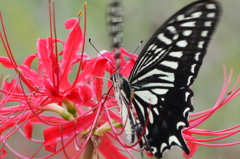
pixel 93 74
pixel 3 153
pixel 31 76
pixel 29 59
pixel 109 151
pixel 80 94
pixel 8 87
pixel 52 91
pixel 45 57
pixel 127 68
pixel 28 129
pixel 131 55
pixel 71 49
pixel 54 133
pixel 6 62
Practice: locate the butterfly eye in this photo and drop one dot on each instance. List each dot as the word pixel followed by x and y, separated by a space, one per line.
pixel 111 78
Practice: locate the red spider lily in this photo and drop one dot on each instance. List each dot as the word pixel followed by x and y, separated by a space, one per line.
pixel 200 117
pixel 83 113
pixel 48 89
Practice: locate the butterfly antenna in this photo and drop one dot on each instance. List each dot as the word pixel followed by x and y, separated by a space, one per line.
pixel 134 52
pixel 90 41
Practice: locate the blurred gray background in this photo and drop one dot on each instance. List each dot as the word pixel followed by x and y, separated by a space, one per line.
pixel 28 20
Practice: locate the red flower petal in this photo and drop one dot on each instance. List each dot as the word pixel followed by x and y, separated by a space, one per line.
pixel 92 70
pixel 127 69
pixel 52 91
pixel 6 62
pixel 46 57
pixel 80 94
pixel 52 134
pixel 12 87
pixel 28 129
pixel 193 148
pixel 51 147
pixel 71 49
pixel 31 76
pixel 124 52
pixel 191 145
pixel 29 59
pixel 109 151
pixel 3 153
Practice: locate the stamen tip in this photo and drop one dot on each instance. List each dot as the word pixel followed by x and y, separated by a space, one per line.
pixel 230 92
pixel 19 71
pixel 85 5
pixel 6 78
pixel 79 13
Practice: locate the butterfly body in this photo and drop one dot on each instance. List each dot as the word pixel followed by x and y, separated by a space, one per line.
pixel 158 88
pixel 123 95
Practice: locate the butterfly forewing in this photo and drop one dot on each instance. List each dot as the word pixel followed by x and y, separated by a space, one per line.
pixel 187 31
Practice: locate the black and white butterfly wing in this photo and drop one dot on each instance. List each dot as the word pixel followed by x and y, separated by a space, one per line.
pixel 165 69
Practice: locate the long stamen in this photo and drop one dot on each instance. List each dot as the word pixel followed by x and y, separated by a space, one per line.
pixel 56 47
pixel 84 36
pixel 53 34
pixel 8 50
pixel 50 27
pixel 6 44
pixel 85 26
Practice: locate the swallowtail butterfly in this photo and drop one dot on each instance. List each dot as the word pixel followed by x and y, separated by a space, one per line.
pixel 158 86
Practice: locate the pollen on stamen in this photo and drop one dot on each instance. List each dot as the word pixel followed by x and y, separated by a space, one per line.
pixel 79 13
pixel 36 87
pixel 230 92
pixel 85 5
pixel 6 78
pixel 19 71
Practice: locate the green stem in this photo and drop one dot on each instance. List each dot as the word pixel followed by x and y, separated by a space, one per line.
pixel 70 107
pixel 106 127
